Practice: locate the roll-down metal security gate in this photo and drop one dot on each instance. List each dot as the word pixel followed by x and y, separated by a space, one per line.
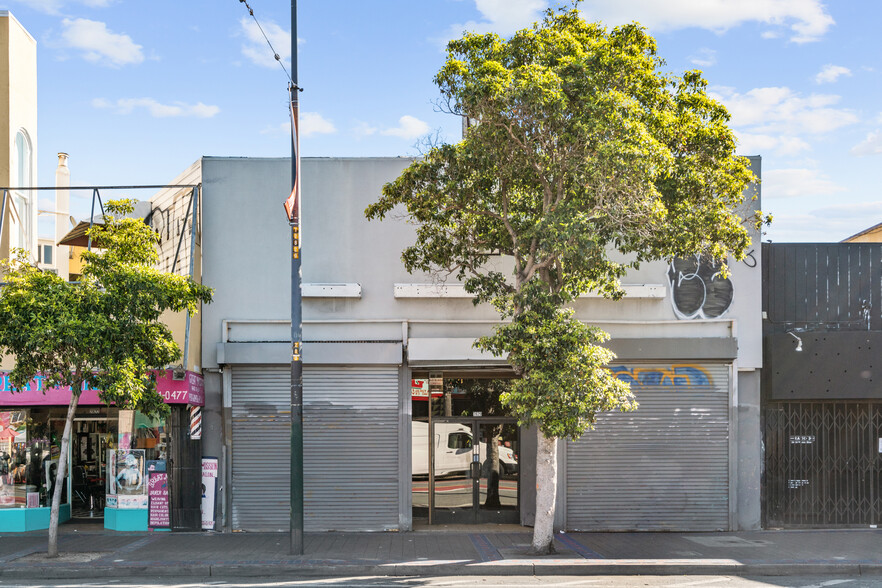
pixel 261 452
pixel 350 431
pixel 663 467
pixel 350 448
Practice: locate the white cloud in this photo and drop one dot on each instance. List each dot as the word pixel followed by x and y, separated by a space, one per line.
pixel 754 144
pixel 781 109
pixel 860 211
pixel 814 226
pixel 704 57
pixel 872 145
pixel 793 183
pixel 313 123
pixel 501 16
pixel 409 127
pixel 830 73
pixel 807 20
pixel 98 44
pixel 282 129
pixel 157 109
pixel 55 6
pixel 256 48
pixel 363 129
pixel 781 119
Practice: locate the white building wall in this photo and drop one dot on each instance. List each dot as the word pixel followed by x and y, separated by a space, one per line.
pixel 18 93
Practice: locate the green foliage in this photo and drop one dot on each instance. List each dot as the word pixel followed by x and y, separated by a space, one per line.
pixel 586 160
pixel 105 330
pixel 564 381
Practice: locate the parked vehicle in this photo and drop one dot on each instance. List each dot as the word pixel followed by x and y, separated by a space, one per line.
pixel 453 450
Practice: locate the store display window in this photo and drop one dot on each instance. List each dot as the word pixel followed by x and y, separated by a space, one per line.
pixel 151 435
pixel 29 457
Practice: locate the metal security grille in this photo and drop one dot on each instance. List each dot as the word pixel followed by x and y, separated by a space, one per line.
pixel 663 467
pixel 350 448
pixel 822 464
pixel 261 453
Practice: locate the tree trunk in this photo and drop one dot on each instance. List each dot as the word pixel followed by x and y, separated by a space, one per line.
pixel 546 493
pixel 62 471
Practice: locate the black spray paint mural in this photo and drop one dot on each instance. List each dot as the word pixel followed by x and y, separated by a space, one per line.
pixel 698 290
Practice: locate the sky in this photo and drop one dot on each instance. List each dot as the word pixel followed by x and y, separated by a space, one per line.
pixel 136 91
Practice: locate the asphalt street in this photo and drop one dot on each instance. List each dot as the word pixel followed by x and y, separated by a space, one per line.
pixel 467 581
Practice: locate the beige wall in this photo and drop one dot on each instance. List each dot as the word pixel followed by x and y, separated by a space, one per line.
pixel 871 235
pixel 169 213
pixel 18 102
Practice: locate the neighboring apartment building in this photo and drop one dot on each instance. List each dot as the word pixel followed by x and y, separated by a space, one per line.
pixel 395 396
pixel 18 130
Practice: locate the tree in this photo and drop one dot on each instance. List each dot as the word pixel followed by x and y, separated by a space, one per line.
pixel 103 332
pixel 584 160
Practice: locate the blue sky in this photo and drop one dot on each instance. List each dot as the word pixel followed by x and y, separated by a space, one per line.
pixel 136 91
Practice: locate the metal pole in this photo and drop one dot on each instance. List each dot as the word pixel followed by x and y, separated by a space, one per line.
pixel 296 315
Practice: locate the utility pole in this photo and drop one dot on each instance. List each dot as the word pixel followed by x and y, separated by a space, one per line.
pixel 293 210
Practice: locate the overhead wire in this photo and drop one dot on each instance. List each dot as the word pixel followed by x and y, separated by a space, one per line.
pixel 268 42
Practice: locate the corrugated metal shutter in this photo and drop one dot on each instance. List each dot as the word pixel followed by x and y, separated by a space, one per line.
pixel 350 438
pixel 350 433
pixel 664 466
pixel 261 455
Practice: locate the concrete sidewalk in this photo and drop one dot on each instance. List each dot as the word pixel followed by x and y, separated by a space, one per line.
pixel 91 552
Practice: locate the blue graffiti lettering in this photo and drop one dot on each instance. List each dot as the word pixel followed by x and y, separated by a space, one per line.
pixel 675 375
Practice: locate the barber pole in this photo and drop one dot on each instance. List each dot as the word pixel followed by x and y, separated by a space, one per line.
pixel 195 422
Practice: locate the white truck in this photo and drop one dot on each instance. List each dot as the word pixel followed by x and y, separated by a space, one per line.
pixel 454 449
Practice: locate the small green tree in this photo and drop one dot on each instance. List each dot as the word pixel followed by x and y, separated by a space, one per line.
pixel 583 161
pixel 103 332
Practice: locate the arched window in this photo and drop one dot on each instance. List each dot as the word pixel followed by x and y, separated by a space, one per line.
pixel 22 176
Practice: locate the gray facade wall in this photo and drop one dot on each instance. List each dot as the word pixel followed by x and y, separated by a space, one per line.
pixel 246 249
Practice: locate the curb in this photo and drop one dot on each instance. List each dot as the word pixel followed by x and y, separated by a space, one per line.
pixel 470 568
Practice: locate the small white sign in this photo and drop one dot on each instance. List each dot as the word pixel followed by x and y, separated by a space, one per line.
pixel 209 492
pixel 419 388
pixel 880 444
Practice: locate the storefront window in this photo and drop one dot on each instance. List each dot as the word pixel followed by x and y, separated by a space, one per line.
pixel 29 454
pixel 151 435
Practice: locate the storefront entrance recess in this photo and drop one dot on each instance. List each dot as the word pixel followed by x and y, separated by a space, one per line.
pixel 465 467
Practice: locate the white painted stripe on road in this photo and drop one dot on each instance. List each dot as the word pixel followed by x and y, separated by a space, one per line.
pixel 699 583
pixel 825 584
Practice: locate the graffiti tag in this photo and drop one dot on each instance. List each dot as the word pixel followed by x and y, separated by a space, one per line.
pixel 698 288
pixel 675 375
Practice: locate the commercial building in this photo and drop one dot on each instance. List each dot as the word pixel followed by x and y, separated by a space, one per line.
pixel 822 401
pixel 397 402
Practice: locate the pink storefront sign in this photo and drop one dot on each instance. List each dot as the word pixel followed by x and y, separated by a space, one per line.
pixel 189 390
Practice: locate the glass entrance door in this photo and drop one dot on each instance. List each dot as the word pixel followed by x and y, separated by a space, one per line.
pixel 474 474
